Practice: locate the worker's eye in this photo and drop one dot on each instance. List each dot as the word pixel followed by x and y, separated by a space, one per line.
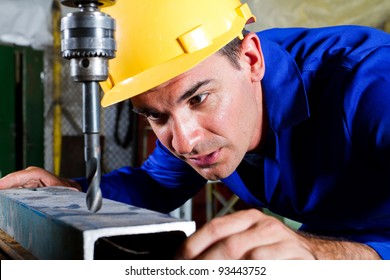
pixel 197 99
pixel 154 116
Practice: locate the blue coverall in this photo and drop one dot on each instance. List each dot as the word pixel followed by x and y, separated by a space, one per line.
pixel 327 152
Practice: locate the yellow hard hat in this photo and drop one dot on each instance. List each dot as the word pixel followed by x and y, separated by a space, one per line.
pixel 158 40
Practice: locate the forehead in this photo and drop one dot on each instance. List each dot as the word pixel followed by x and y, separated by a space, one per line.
pixel 205 70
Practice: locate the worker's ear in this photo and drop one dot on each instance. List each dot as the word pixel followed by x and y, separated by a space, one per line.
pixel 252 56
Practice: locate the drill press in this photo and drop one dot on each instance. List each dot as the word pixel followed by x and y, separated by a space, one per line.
pixel 87 40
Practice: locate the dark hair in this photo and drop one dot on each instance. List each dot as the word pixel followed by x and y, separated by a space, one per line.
pixel 232 50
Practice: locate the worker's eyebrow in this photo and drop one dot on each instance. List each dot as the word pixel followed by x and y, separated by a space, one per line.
pixel 186 95
pixel 192 90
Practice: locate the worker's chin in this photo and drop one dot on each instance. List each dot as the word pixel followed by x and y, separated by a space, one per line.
pixel 213 173
pixel 213 177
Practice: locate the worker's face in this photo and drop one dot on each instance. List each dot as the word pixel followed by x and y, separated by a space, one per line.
pixel 211 115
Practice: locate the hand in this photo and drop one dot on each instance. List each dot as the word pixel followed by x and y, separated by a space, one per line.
pixel 250 234
pixel 35 177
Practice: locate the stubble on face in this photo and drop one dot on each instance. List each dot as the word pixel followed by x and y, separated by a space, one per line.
pixel 222 127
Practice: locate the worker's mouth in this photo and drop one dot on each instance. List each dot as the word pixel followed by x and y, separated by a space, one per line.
pixel 206 160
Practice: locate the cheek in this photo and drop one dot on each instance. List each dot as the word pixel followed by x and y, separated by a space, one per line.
pixel 230 118
pixel 220 129
pixel 240 120
pixel 163 135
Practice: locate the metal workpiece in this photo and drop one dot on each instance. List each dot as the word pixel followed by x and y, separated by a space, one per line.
pixel 88 41
pixel 54 223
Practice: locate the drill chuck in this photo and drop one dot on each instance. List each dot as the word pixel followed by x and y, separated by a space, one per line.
pixel 88 42
pixel 88 33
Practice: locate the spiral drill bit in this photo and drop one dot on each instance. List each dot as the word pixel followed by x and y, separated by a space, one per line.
pixel 88 42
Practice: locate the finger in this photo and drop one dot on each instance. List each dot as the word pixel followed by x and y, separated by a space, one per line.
pixel 217 229
pixel 264 232
pixel 276 241
pixel 31 177
pixel 13 180
pixel 263 241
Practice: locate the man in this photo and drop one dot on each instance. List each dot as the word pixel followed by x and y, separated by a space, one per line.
pixel 296 120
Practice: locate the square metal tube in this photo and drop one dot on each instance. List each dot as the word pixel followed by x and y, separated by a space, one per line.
pixel 54 223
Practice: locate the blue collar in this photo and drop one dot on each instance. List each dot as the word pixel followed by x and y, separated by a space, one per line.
pixel 284 93
pixel 286 104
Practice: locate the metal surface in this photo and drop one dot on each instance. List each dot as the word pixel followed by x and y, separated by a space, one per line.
pixel 54 223
pixel 88 42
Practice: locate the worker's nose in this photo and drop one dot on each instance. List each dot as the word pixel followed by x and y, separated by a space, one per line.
pixel 185 135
